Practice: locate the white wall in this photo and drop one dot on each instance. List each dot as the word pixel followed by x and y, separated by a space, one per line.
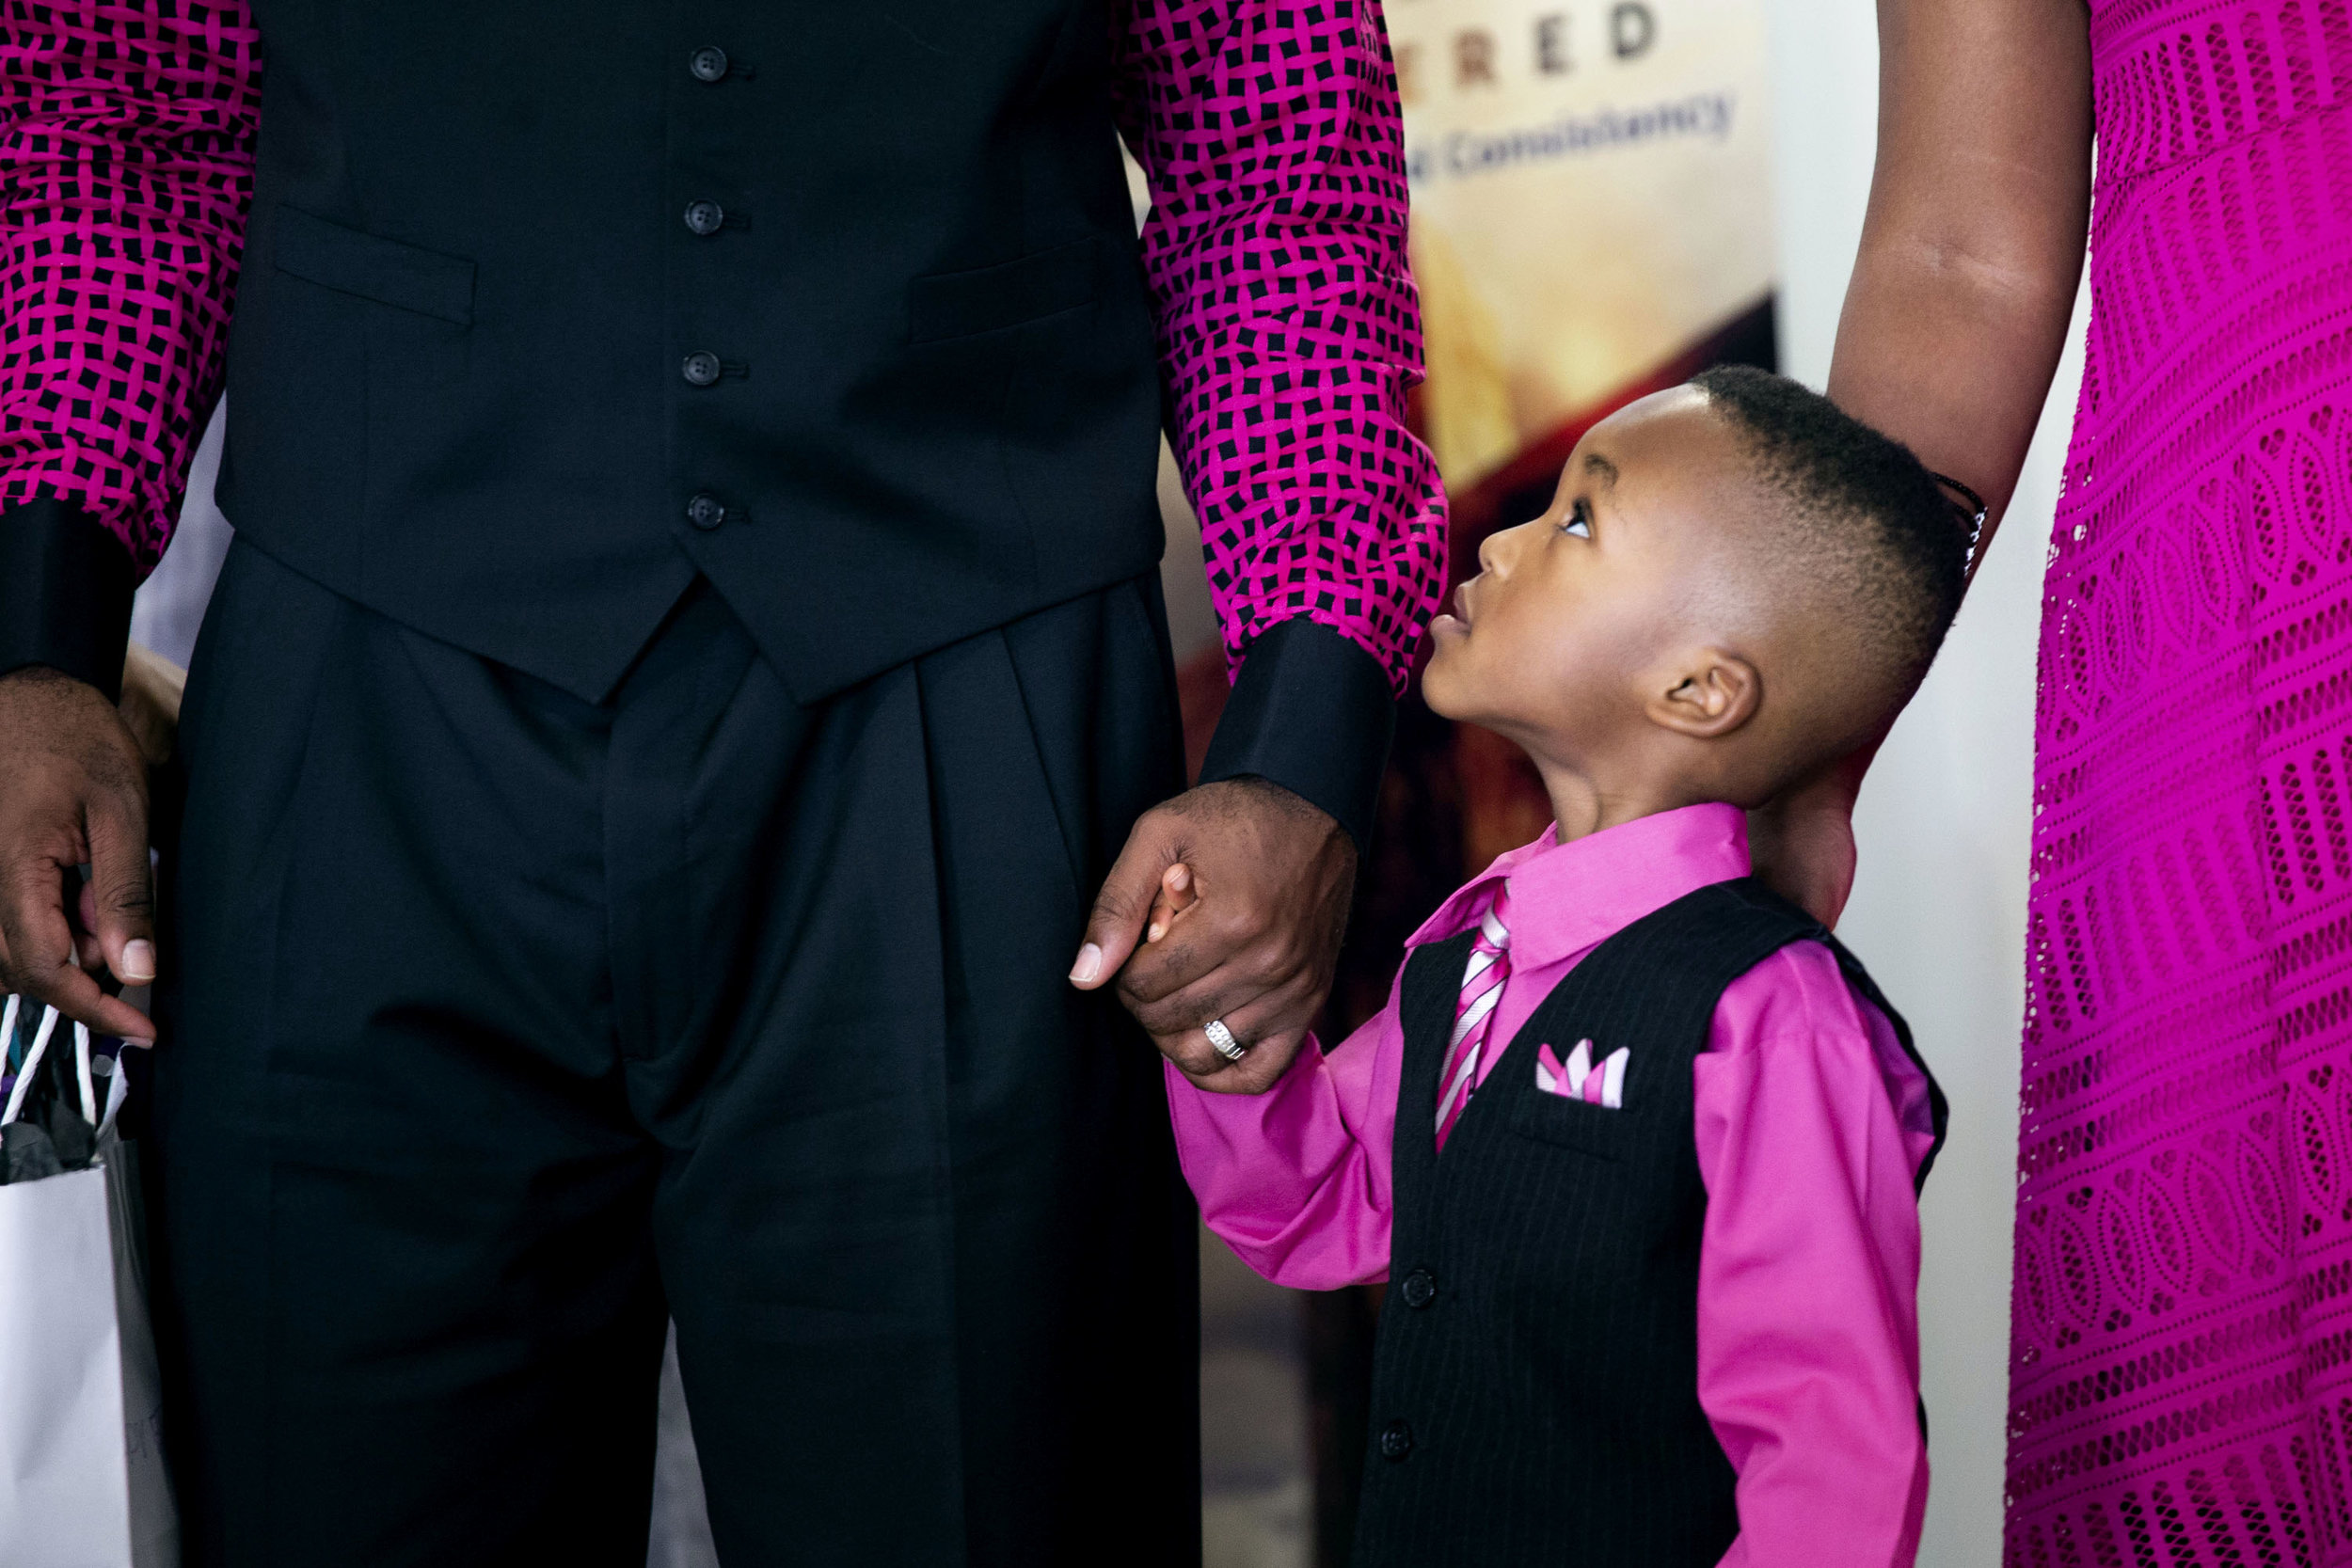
pixel 1939 907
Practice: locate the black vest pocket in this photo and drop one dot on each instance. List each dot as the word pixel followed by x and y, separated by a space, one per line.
pixel 988 299
pixel 385 270
pixel 1552 1118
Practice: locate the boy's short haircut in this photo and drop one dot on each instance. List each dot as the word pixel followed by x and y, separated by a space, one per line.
pixel 1868 521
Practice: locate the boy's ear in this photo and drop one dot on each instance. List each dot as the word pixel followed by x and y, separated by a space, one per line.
pixel 1708 696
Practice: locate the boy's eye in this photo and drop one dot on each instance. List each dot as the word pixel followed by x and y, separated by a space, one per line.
pixel 1579 521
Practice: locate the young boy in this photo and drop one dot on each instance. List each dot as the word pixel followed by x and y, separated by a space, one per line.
pixel 1634 1140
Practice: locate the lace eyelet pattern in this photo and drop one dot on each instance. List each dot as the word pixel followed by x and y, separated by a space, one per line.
pixel 2180 1387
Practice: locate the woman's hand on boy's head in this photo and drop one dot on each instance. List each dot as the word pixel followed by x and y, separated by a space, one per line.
pixel 1801 845
pixel 1249 936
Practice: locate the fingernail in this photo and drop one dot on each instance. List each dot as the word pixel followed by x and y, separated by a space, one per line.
pixel 138 962
pixel 1180 878
pixel 1089 964
pixel 1156 932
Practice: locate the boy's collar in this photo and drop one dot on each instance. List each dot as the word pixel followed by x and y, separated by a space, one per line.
pixel 1565 897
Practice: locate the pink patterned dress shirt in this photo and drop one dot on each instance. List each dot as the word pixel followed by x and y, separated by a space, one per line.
pixel 1810 1124
pixel 1289 332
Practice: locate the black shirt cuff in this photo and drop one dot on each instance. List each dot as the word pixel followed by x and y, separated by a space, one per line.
pixel 1313 712
pixel 66 585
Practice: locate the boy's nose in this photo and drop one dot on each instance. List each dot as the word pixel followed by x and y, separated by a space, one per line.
pixel 1496 550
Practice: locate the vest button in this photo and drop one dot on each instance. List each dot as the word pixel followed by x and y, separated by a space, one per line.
pixel 701 369
pixel 708 63
pixel 703 217
pixel 706 511
pixel 1396 1440
pixel 1420 1288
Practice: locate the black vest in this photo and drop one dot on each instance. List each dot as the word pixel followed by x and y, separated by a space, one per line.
pixel 1535 1390
pixel 548 307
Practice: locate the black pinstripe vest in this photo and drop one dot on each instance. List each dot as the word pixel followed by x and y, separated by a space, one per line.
pixel 1536 1390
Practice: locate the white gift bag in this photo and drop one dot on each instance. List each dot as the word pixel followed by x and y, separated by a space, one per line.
pixel 82 1482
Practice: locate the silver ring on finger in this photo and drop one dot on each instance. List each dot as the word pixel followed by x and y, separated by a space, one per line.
pixel 1222 1041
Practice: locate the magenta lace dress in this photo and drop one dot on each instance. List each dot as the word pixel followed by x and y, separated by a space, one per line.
pixel 2182 1368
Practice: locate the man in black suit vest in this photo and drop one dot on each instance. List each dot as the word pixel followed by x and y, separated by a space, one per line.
pixel 691 653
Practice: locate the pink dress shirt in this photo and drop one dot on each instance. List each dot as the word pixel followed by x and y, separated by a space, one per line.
pixel 1810 1124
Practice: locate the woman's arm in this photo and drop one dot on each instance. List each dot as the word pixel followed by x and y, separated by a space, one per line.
pixel 1972 249
pixel 1972 246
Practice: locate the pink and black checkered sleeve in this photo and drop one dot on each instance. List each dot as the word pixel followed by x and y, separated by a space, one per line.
pixel 1289 334
pixel 126 159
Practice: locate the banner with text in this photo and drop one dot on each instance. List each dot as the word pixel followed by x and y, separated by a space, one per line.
pixel 1592 204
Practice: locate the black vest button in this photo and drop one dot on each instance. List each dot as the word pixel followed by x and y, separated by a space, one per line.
pixel 706 511
pixel 708 63
pixel 703 217
pixel 1396 1440
pixel 1420 1288
pixel 701 369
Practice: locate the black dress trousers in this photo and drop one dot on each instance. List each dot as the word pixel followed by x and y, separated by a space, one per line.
pixel 500 1023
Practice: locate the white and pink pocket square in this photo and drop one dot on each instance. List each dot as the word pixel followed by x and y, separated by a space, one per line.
pixel 1602 1086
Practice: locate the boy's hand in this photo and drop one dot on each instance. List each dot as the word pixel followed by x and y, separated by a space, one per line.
pixel 1176 896
pixel 1248 932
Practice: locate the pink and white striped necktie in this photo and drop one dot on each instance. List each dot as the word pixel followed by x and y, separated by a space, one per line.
pixel 1482 977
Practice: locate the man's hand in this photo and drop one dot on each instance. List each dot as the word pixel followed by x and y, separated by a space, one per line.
pixel 72 793
pixel 1273 876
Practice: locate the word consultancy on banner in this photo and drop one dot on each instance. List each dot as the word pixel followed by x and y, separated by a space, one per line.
pixel 1462 153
